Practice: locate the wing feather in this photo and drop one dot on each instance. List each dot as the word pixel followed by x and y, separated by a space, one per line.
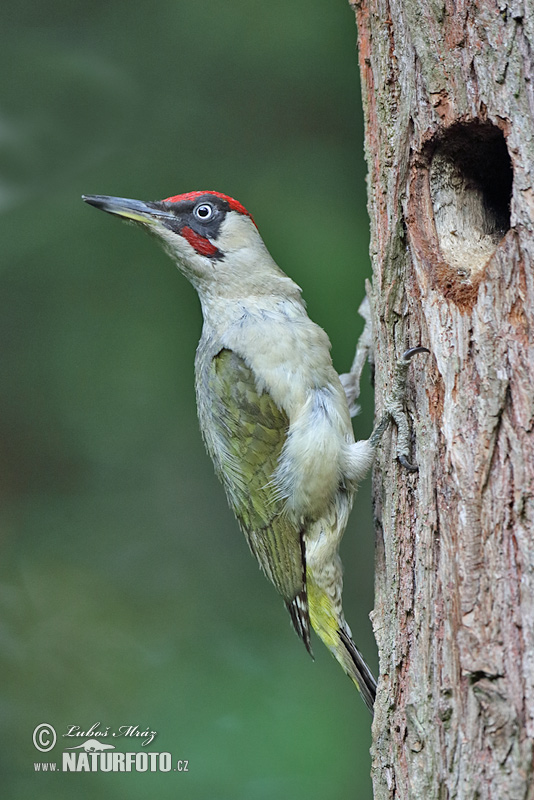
pixel 245 431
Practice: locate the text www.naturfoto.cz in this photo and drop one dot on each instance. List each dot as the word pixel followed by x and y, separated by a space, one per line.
pixel 114 762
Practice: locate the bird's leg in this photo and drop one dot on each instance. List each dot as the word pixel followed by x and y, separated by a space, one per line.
pixel 394 407
pixel 364 350
pixel 394 410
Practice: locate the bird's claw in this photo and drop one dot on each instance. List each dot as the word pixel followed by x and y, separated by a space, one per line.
pixel 403 461
pixel 411 352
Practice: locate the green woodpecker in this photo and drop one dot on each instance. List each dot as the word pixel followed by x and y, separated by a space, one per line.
pixel 272 410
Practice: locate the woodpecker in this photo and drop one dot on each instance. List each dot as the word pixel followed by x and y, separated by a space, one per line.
pixel 273 412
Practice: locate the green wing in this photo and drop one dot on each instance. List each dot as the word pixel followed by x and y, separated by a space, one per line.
pixel 244 433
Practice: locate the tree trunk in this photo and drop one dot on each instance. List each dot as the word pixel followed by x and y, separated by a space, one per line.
pixel 448 90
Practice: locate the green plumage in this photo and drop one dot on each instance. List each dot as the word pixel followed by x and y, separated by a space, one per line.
pixel 245 431
pixel 286 453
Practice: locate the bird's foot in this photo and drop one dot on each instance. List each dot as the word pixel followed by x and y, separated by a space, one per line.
pixel 364 349
pixel 394 410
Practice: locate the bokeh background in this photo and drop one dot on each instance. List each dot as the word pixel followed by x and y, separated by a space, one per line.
pixel 128 595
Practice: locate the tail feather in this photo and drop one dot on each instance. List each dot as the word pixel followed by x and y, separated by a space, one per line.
pixel 300 617
pixel 357 670
pixel 327 619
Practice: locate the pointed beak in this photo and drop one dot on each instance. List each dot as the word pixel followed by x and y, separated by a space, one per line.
pixel 136 210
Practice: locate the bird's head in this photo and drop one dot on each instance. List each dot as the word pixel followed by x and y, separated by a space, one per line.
pixel 212 237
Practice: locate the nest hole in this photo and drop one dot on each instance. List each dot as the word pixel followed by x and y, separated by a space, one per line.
pixel 470 187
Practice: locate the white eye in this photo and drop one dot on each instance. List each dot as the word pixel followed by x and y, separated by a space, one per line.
pixel 203 212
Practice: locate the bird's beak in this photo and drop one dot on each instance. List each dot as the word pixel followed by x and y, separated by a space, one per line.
pixel 136 210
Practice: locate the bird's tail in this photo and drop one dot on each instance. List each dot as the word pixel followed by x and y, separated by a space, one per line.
pixel 330 626
pixel 357 669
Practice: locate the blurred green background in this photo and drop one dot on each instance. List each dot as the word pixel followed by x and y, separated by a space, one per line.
pixel 128 595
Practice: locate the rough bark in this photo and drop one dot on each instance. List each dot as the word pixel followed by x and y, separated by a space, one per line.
pixel 449 107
